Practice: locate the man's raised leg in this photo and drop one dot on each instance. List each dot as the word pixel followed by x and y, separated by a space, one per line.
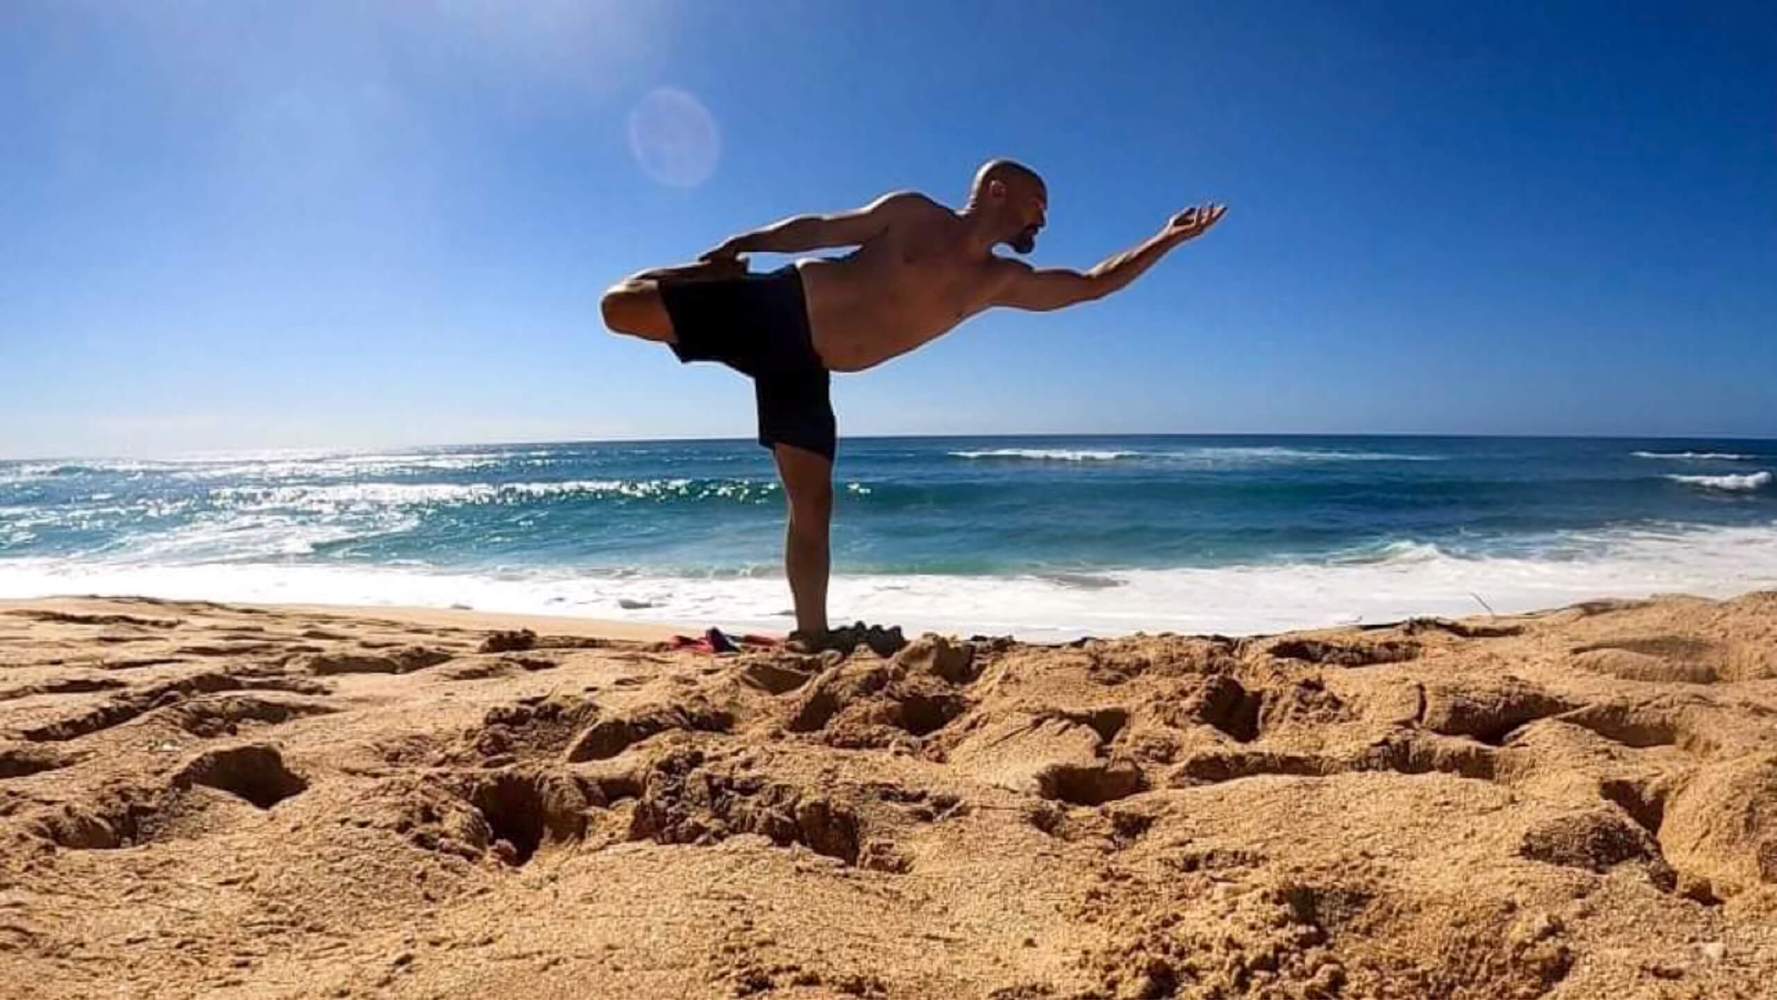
pixel 633 305
pixel 808 485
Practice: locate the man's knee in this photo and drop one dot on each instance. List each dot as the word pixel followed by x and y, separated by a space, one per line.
pixel 808 486
pixel 634 308
pixel 811 506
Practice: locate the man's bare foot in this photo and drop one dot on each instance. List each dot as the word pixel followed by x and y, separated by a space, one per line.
pixel 801 641
pixel 882 641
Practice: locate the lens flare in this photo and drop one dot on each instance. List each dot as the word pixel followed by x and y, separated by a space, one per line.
pixel 673 138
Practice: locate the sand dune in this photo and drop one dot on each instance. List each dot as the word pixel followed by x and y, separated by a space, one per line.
pixel 211 800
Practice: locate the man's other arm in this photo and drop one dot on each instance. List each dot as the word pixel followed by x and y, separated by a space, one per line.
pixel 1042 289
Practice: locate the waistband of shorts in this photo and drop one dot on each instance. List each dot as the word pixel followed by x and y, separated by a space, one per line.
pixel 791 277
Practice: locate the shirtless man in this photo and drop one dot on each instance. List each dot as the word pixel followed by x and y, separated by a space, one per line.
pixel 920 269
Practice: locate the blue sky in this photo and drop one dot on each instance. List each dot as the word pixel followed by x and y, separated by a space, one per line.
pixel 239 225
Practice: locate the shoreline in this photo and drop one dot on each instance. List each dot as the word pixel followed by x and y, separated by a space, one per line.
pixel 1402 581
pixel 583 626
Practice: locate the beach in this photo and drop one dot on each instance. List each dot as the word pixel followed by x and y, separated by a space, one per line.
pixel 1056 502
pixel 259 800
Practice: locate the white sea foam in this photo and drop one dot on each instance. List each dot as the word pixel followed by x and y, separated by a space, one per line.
pixel 1738 483
pixel 1385 584
pixel 1048 454
pixel 332 497
pixel 1696 456
pixel 1206 457
pixel 1265 455
pixel 355 465
pixel 33 472
pixel 283 465
pixel 248 537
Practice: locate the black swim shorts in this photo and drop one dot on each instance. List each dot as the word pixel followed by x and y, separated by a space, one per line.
pixel 757 324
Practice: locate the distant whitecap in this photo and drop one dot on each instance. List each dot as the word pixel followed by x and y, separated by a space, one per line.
pixel 1046 454
pixel 1743 484
pixel 1695 456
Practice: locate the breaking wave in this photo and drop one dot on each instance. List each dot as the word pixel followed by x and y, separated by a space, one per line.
pixel 1206 457
pixel 1744 483
pixel 1047 454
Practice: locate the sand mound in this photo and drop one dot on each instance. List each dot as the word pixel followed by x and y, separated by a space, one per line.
pixel 291 803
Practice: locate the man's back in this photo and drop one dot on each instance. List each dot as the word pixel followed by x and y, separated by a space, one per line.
pixel 909 283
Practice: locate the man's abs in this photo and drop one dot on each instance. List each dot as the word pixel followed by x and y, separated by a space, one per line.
pixel 863 312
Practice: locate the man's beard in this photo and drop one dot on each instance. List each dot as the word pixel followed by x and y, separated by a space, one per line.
pixel 1025 241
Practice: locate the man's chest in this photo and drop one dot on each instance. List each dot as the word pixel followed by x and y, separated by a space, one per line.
pixel 937 281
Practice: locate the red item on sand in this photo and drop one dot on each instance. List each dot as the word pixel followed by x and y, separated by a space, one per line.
pixel 714 640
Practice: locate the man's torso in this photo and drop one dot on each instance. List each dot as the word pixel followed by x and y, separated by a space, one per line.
pixel 909 285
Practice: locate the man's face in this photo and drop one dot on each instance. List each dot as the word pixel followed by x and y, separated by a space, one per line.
pixel 1034 213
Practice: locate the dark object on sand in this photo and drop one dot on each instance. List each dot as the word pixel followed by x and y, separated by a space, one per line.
pixel 509 641
pixel 884 642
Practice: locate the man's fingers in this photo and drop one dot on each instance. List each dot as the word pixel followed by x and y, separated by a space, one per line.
pixel 1197 218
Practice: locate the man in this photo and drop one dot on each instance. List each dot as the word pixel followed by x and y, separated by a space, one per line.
pixel 920 268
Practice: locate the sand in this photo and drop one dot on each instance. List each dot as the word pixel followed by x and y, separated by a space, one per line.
pixel 238 801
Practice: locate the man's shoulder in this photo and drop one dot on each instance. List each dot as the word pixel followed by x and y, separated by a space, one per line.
pixel 1007 266
pixel 907 202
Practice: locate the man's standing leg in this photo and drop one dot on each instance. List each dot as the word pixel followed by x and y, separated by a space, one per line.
pixel 808 484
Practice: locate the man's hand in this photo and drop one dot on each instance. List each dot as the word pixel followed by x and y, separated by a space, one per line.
pixel 1195 221
pixel 725 261
pixel 727 251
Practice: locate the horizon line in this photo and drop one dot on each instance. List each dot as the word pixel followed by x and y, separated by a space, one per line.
pixel 344 450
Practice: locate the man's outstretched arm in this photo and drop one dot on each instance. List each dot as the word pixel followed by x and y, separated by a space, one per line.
pixel 812 232
pixel 1053 288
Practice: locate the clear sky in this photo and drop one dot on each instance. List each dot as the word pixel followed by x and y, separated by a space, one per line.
pixel 236 225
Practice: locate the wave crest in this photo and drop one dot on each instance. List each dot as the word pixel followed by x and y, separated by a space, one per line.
pixel 1744 483
pixel 1695 456
pixel 469 494
pixel 1047 454
pixel 1207 456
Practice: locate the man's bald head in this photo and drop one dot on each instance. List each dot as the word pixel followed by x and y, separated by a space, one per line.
pixel 1014 175
pixel 1013 198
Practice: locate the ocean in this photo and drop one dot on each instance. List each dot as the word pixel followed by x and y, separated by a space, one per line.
pixel 1045 538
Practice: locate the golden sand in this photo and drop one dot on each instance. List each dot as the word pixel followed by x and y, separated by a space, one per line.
pixel 236 801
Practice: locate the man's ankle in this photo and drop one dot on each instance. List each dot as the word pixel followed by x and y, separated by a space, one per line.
pixel 808 640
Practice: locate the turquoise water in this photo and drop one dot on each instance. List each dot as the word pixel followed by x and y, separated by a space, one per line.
pixel 1044 535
